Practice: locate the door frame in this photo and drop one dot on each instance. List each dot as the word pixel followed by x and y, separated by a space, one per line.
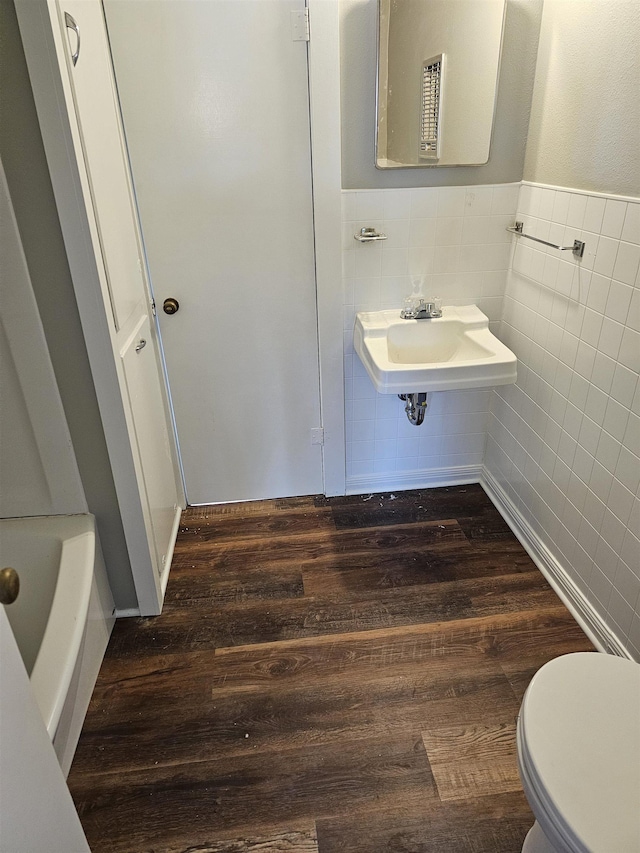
pixel 324 100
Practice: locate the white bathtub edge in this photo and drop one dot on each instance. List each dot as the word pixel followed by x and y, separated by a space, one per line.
pixel 100 622
pixel 74 583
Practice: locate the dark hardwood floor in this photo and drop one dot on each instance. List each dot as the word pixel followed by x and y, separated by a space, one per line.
pixel 328 676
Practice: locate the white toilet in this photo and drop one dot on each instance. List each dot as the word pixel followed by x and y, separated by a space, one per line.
pixel 579 755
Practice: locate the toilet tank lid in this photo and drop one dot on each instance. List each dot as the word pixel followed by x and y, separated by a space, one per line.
pixel 580 726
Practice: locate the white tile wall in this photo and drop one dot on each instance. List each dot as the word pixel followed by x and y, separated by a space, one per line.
pixel 564 443
pixel 451 242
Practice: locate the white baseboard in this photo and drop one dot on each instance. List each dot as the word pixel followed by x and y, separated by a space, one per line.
pixel 423 479
pixel 579 606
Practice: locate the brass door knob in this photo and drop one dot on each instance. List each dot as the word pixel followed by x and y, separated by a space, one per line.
pixel 9 585
pixel 170 306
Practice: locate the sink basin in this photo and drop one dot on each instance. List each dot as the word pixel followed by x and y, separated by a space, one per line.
pixel 450 353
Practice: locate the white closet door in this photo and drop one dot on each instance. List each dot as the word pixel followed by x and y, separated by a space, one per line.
pixel 98 114
pixel 214 97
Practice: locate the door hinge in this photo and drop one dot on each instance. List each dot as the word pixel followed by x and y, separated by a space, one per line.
pixel 317 436
pixel 153 307
pixel 300 25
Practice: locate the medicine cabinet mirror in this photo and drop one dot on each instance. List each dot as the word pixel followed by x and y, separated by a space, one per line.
pixel 438 66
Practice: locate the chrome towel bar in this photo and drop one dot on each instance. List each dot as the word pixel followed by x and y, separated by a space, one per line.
pixel 577 248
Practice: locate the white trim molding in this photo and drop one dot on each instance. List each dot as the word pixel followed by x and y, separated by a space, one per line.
pixel 324 101
pixel 578 605
pixel 458 475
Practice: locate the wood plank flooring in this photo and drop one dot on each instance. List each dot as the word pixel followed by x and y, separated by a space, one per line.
pixel 328 676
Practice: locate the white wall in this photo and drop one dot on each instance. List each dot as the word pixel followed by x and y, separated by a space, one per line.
pixel 38 470
pixel 564 443
pixel 454 240
pixel 585 116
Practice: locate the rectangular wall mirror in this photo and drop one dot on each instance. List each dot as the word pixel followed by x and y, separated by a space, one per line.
pixel 438 66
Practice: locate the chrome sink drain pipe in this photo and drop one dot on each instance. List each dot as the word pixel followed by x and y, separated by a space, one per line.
pixel 415 406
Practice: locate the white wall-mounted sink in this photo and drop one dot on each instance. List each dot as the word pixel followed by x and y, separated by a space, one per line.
pixel 449 353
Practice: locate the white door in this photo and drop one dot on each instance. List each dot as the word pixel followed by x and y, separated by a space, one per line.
pixel 36 809
pixel 149 503
pixel 215 104
pixel 97 111
pixel 96 107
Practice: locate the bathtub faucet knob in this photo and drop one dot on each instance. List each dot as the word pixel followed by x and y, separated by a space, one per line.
pixel 9 585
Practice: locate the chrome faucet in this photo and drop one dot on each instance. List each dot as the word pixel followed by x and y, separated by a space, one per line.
pixel 423 310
